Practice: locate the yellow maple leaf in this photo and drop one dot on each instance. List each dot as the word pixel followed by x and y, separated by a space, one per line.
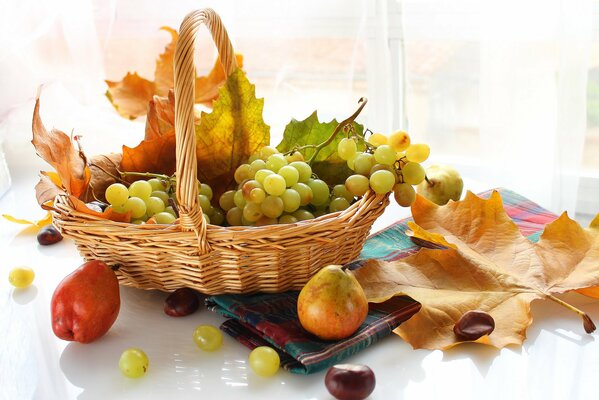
pixel 493 268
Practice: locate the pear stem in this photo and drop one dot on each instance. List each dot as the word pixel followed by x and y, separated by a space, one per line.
pixel 587 322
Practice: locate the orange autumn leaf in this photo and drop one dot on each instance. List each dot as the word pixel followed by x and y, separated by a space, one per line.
pixel 155 155
pixel 493 268
pixel 57 149
pixel 109 213
pixel 48 187
pixel 130 96
pixel 161 116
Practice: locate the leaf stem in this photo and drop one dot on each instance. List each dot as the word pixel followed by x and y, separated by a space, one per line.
pixel 343 123
pixel 587 322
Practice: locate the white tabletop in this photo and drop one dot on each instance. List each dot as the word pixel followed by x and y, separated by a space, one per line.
pixel 557 361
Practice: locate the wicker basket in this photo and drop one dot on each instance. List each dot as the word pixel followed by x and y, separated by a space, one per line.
pixel 208 258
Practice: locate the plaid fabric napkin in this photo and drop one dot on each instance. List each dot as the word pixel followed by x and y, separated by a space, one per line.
pixel 271 319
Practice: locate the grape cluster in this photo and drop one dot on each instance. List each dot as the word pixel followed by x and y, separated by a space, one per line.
pixel 388 163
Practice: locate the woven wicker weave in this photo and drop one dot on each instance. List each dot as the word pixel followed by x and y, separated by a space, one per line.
pixel 209 258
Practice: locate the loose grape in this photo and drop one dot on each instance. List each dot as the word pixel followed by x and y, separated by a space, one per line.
pixel 346 148
pixel 252 212
pixel 382 181
pixel 357 185
pixel 141 189
pixel 413 173
pixel 338 204
pixel 134 363
pixel 243 172
pixel 399 140
pixel 262 174
pixel 154 205
pixel 377 139
pixel 137 206
pixel 290 174
pixel 275 184
pixel 303 215
pixel 164 218
pixel 276 162
pixel 238 199
pixel 291 200
pixel 157 184
pixel 404 194
pixel 384 154
pixel 305 193
pixel 341 191
pixel 117 194
pixel 208 337
pixel 226 200
pixel 206 190
pixel 418 153
pixel 161 195
pixel 234 216
pixel 267 151
pixel 21 277
pixel 320 191
pixel 218 217
pixel 304 169
pixel 264 361
pixel 287 219
pixel 272 206
pixel 295 156
pixel 363 163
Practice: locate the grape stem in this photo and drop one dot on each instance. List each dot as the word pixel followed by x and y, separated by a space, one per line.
pixel 427 180
pixel 343 123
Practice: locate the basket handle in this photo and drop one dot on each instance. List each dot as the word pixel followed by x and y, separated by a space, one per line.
pixel 190 212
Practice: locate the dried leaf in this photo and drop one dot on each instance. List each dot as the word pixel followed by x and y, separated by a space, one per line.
pixel 493 269
pixel 228 135
pixel 47 220
pixel 206 87
pixel 104 172
pixel 327 165
pixel 163 76
pixel 57 149
pixel 107 214
pixel 155 155
pixel 48 187
pixel 130 97
pixel 161 116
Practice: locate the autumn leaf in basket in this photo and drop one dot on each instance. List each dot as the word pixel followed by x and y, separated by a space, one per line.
pixel 327 164
pixel 131 95
pixel 482 262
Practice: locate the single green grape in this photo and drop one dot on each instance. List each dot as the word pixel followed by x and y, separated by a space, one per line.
pixel 262 174
pixel 218 217
pixel 234 216
pixel 164 218
pixel 338 204
pixel 117 194
pixel 272 206
pixel 267 151
pixel 264 361
pixel 206 190
pixel 205 204
pixel 399 140
pixel 346 148
pixel 257 165
pixel 357 185
pixel 275 184
pixel 380 167
pixel 247 189
pixel 161 195
pixel 304 169
pixel 276 162
pixel 252 212
pixel 226 200
pixel 385 154
pixel 363 163
pixel 171 211
pixel 134 363
pixel 377 139
pixel 137 206
pixel 404 194
pixel 141 189
pixel 243 172
pixel 413 173
pixel 418 152
pixel 351 161
pixel 287 219
pixel 295 156
pixel 290 174
pixel 157 184
pixel 305 193
pixel 341 191
pixel 382 181
pixel 154 205
pixel 206 218
pixel 303 215
pixel 238 199
pixel 320 191
pixel 21 277
pixel 291 200
pixel 208 337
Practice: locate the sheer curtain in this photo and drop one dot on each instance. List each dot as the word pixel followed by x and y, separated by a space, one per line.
pixel 498 88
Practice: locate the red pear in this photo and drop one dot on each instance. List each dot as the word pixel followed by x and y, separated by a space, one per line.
pixel 86 303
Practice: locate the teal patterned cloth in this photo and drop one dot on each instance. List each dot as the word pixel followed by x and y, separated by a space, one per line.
pixel 271 319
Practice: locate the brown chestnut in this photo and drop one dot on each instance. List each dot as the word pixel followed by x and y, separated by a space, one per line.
pixel 350 381
pixel 48 235
pixel 473 325
pixel 181 302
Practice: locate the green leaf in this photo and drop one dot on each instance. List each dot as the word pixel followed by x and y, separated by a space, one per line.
pixel 327 165
pixel 228 135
